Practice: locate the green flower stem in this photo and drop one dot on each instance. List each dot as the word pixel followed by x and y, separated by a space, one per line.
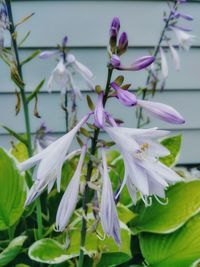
pixel 155 55
pixel 25 104
pixel 88 176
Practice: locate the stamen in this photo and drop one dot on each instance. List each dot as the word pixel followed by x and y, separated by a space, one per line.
pixel 147 200
pixel 161 202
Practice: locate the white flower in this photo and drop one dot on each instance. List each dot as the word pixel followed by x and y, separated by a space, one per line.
pixel 164 66
pixel 184 38
pixel 143 170
pixel 63 73
pixel 49 163
pixel 175 57
pixel 108 212
pixel 69 199
pixel 59 76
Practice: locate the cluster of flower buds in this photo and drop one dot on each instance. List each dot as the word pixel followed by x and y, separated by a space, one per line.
pixel 120 46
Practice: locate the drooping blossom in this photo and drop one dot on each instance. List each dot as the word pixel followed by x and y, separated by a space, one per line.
pixel 160 110
pixel 70 197
pixel 143 170
pixel 138 64
pixel 175 57
pixel 164 65
pixel 68 66
pixel 108 212
pixel 49 163
pixel 185 39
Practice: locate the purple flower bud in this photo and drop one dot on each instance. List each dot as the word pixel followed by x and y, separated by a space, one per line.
pixel 115 26
pixel 143 62
pixel 114 30
pixel 139 64
pixel 123 44
pixel 64 41
pixel 124 96
pixel 176 15
pixel 115 61
pixel 162 111
pixel 99 114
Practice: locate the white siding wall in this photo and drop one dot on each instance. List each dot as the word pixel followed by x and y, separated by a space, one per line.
pixel 86 23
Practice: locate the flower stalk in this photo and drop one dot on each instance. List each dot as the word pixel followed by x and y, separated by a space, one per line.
pixel 156 51
pixel 25 103
pixel 89 173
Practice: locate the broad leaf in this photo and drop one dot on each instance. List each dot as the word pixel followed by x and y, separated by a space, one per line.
pixel 48 251
pixel 173 144
pixel 179 249
pixel 183 203
pixel 13 249
pixel 20 152
pixel 113 259
pixel 12 191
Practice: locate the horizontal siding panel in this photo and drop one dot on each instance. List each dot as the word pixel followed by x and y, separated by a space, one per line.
pixel 190 152
pixel 87 22
pixel 96 59
pixel 50 109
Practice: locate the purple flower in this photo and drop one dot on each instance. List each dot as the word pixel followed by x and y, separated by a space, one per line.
pixel 124 96
pixel 139 64
pixel 122 44
pixel 159 110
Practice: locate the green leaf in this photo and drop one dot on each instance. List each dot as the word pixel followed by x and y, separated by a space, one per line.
pixel 48 251
pixel 179 249
pixel 35 91
pixel 94 243
pixel 20 152
pixel 125 215
pixel 183 203
pixel 13 249
pixel 29 58
pixel 12 191
pixel 173 144
pixel 113 259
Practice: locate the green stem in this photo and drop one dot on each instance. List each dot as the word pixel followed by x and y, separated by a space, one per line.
pixel 88 176
pixel 25 103
pixel 156 50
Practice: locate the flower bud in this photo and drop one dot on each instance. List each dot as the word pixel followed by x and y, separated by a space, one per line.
pixel 123 44
pixel 114 30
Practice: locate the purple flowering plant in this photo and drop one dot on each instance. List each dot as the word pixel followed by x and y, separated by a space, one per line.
pixel 114 197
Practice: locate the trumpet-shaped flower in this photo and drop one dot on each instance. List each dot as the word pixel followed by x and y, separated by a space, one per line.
pixel 185 39
pixel 143 171
pixel 108 212
pixel 139 64
pixel 99 118
pixel 49 163
pixel 69 199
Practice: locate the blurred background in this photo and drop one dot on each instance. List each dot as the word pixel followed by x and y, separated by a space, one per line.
pixel 86 23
